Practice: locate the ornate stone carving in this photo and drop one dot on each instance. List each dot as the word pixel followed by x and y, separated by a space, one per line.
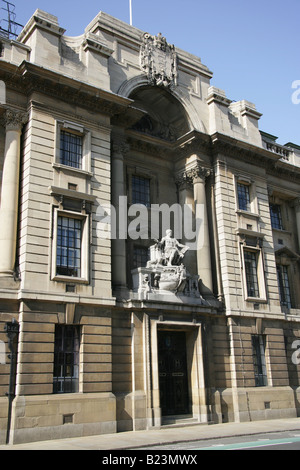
pixel 167 252
pixel 158 60
pixel 119 145
pixel 198 173
pixel 188 177
pixel 14 119
pixel 165 275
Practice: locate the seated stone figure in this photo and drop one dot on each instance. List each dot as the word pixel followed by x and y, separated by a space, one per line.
pixel 168 251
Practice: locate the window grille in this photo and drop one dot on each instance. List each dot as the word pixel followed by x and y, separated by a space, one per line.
pixel 244 197
pixel 276 219
pixel 259 360
pixel 68 250
pixel 66 359
pixel 284 286
pixel 140 190
pixel 70 149
pixel 250 258
pixel 140 257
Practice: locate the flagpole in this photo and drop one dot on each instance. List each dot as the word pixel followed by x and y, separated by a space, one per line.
pixel 130 11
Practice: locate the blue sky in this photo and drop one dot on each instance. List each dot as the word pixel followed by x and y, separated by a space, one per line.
pixel 252 47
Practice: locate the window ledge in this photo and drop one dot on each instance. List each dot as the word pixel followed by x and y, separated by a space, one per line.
pixel 55 190
pixel 71 169
pixel 256 300
pixel 282 231
pixel 250 233
pixel 252 215
pixel 77 280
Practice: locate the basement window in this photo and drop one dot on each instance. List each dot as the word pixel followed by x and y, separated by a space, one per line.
pixel 66 359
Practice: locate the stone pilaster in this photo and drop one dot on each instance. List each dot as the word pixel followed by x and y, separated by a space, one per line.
pixel 13 121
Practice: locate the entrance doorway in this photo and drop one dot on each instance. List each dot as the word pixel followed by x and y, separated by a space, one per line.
pixel 173 378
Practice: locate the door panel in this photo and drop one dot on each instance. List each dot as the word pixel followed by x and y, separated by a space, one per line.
pixel 173 382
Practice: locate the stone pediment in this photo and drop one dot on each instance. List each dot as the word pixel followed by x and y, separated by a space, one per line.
pixel 287 253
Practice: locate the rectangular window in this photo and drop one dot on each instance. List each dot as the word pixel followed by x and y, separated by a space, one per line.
pixel 140 190
pixel 140 257
pixel 66 359
pixel 284 286
pixel 243 191
pixel 250 259
pixel 68 248
pixel 71 149
pixel 259 360
pixel 276 219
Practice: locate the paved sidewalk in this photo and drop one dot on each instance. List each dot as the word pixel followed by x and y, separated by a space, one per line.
pixel 134 440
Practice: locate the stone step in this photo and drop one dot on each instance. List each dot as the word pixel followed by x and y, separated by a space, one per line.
pixel 179 421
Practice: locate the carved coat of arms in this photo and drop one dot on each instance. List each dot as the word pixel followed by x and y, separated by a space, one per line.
pixel 158 60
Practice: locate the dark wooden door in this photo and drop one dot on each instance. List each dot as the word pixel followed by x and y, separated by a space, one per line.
pixel 173 382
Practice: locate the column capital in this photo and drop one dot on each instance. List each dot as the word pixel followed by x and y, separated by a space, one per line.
pixel 190 176
pixel 14 120
pixel 119 144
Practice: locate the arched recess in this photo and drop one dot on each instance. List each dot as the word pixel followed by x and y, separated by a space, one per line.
pixel 169 114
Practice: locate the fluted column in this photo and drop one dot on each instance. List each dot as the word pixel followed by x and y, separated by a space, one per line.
pixel 14 121
pixel 119 149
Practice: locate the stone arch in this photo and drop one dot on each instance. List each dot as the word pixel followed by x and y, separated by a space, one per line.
pixel 131 88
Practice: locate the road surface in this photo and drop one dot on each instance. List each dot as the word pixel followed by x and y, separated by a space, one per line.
pixel 271 441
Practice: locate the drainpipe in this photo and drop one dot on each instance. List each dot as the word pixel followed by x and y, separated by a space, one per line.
pixel 12 331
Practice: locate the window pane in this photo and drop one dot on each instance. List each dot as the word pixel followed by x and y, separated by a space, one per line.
pixel 66 359
pixel 68 250
pixel 140 190
pixel 276 219
pixel 140 257
pixel 284 286
pixel 251 273
pixel 70 149
pixel 259 360
pixel 243 197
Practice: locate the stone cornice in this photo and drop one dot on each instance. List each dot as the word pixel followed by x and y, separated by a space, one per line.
pixel 29 78
pixel 258 156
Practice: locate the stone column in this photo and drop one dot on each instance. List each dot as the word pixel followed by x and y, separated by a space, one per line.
pixel 14 120
pixel 186 200
pixel 198 175
pixel 119 148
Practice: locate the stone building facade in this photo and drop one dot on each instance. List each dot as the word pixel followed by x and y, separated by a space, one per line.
pixel 109 338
